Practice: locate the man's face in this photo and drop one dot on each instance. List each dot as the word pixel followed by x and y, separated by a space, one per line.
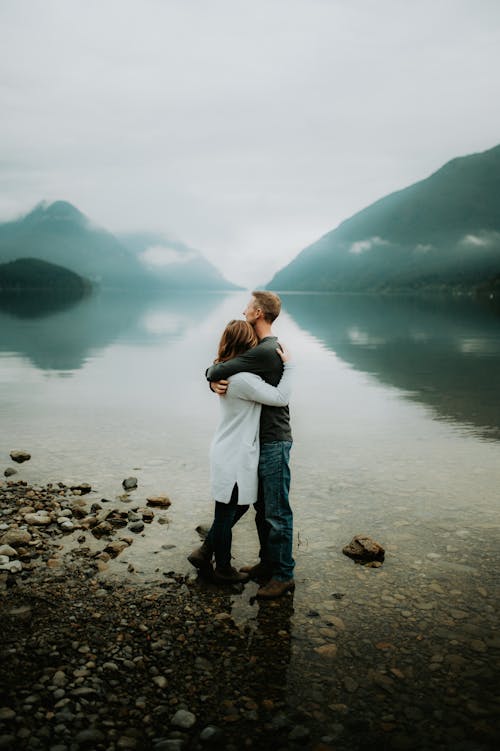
pixel 250 312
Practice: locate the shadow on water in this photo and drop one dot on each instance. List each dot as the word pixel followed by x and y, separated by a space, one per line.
pixel 59 334
pixel 443 353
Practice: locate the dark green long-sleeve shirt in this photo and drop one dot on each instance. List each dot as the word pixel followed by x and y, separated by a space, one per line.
pixel 263 360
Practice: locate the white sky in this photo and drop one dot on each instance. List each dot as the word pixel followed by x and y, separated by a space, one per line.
pixel 245 128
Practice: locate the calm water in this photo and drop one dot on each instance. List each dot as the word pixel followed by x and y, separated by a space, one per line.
pixel 396 418
pixel 396 410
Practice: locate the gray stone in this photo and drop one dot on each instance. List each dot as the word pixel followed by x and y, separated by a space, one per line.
pixel 129 483
pixel 90 736
pixel 183 719
pixel 210 734
pixel 169 744
pixel 10 471
pixel 13 567
pixel 298 733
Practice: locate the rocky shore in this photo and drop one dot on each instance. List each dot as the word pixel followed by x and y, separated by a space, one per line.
pixel 93 663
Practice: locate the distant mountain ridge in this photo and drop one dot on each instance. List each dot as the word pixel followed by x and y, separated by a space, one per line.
pixel 441 232
pixel 173 263
pixel 60 234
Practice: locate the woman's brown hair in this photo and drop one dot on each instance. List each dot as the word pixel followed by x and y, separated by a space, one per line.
pixel 237 337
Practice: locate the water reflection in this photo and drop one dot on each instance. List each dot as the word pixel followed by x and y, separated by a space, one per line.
pixel 57 334
pixel 443 353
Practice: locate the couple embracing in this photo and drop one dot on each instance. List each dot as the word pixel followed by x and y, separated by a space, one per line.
pixel 250 451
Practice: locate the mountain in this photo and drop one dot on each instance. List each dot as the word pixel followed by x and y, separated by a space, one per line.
pixel 60 234
pixel 32 274
pixel 174 264
pixel 56 288
pixel 442 232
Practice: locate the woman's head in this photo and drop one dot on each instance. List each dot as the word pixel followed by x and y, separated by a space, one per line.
pixel 237 337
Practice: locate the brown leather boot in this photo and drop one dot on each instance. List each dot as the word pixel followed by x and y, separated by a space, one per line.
pixel 229 575
pixel 275 588
pixel 201 558
pixel 260 572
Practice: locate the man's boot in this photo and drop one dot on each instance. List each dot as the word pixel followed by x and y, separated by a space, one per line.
pixel 275 588
pixel 260 572
pixel 229 575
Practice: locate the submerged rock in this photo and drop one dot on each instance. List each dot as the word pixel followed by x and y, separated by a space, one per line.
pixel 20 456
pixel 363 549
pixel 129 483
pixel 83 487
pixel 10 471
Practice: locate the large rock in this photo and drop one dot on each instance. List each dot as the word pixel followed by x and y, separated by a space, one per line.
pixel 20 456
pixel 363 549
pixel 13 567
pixel 39 519
pixel 129 483
pixel 15 537
pixel 162 501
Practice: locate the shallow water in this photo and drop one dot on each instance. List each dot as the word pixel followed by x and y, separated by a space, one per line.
pixel 396 419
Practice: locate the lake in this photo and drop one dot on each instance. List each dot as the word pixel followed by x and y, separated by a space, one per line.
pixel 396 420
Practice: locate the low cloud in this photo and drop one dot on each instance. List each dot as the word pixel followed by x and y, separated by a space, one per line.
pixel 362 246
pixel 160 255
pixel 482 240
pixel 421 248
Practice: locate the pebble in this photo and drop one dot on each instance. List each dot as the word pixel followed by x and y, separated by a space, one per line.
pixel 183 719
pixel 136 527
pixel 130 483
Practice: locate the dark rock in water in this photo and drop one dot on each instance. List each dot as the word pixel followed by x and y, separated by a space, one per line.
pixel 10 471
pixel 83 487
pixel 363 549
pixel 136 527
pixel 20 456
pixel 130 483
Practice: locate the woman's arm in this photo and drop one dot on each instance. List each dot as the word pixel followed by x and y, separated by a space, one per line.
pixel 251 387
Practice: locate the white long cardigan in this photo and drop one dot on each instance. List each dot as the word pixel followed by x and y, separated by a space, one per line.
pixel 234 453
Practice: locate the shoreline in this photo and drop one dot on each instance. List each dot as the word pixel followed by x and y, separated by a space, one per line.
pixel 94 663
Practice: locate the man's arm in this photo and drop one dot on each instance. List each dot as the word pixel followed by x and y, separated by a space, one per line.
pixel 256 360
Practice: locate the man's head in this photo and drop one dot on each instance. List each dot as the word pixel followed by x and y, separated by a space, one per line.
pixel 263 306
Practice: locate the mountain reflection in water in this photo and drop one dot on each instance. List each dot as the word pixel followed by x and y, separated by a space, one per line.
pixel 60 335
pixel 444 353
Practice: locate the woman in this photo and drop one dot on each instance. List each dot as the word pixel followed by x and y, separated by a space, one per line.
pixel 234 453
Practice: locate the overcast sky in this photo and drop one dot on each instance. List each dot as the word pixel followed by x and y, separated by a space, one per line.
pixel 245 128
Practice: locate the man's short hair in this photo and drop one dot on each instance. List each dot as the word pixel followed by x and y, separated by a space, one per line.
pixel 269 303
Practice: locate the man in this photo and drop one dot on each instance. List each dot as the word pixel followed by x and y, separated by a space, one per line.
pixel 273 515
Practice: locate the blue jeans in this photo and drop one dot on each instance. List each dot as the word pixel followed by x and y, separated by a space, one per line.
pixel 220 536
pixel 273 515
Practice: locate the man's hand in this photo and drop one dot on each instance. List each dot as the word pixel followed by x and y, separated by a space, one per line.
pixel 219 387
